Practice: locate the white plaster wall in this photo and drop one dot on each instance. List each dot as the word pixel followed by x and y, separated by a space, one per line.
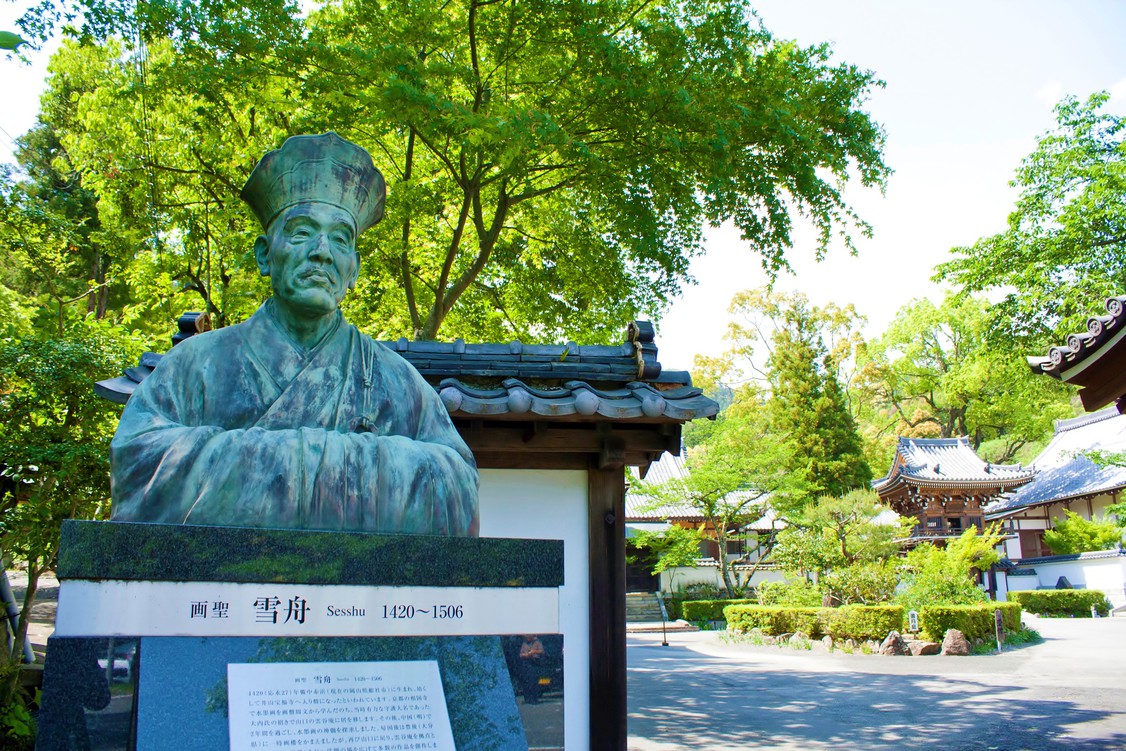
pixel 552 505
pixel 676 579
pixel 1107 575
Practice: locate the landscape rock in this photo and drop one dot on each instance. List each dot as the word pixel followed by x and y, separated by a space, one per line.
pixel 955 643
pixel 919 647
pixel 894 644
pixel 850 645
pixel 828 642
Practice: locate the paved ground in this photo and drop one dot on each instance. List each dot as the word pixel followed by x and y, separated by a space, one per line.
pixel 700 693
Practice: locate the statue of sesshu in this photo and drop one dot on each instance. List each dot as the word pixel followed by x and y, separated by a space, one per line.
pixel 294 419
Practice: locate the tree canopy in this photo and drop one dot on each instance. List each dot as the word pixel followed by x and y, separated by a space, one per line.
pixel 551 165
pixel 935 373
pixel 1064 250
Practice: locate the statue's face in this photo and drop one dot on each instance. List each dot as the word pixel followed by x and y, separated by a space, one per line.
pixel 309 253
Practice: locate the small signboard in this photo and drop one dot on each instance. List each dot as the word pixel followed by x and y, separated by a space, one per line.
pixel 999 625
pixel 913 621
pixel 338 706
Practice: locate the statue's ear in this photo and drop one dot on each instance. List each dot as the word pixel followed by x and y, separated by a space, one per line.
pixel 355 272
pixel 262 255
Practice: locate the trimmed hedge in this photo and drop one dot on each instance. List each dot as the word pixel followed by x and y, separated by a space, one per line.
pixel 775 619
pixel 1062 602
pixel 863 621
pixel 847 622
pixel 707 610
pixel 974 621
pixel 674 605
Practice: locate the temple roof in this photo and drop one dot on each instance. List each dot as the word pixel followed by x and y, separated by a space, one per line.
pixel 566 382
pixel 1094 360
pixel 946 463
pixel 1063 472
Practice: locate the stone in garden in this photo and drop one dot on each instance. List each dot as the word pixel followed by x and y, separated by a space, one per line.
pixel 894 644
pixel 828 642
pixel 850 644
pixel 955 643
pixel 920 648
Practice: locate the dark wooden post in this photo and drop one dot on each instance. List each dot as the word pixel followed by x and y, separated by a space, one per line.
pixel 607 555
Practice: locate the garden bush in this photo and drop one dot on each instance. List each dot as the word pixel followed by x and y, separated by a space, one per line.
pixel 974 621
pixel 775 619
pixel 863 621
pixel 849 622
pixel 707 610
pixel 674 605
pixel 1062 602
pixel 800 593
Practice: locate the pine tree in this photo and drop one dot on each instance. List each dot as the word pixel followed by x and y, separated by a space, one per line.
pixel 808 406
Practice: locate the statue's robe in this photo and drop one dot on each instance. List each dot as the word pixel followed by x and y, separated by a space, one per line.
pixel 241 427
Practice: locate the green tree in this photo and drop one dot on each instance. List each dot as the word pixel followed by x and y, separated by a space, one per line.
pixel 801 356
pixel 731 478
pixel 838 532
pixel 935 373
pixel 675 547
pixel 808 406
pixel 1074 534
pixel 552 164
pixel 1064 250
pixel 54 449
pixel 947 576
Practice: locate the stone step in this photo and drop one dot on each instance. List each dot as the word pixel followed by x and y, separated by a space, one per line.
pixel 642 607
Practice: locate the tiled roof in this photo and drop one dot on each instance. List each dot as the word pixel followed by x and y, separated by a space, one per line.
pixel 944 462
pixel 517 381
pixel 1063 472
pixel 1080 346
pixel 1069 361
pixel 641 508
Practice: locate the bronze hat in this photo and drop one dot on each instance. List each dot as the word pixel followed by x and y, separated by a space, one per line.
pixel 323 169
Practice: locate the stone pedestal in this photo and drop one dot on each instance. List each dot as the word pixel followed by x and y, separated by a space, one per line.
pixel 151 616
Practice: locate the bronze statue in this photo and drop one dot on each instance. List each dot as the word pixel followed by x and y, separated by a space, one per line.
pixel 295 419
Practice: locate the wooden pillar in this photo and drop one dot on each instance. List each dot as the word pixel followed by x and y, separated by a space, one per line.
pixel 607 555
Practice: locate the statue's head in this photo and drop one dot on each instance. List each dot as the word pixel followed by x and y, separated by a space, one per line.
pixel 313 197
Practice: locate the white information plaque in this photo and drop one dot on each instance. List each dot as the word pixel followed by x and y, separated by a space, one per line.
pixel 139 608
pixel 337 706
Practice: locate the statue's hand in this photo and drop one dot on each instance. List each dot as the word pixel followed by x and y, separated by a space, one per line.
pixel 362 424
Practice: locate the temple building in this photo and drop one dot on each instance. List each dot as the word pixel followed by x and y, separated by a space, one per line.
pixel 943 484
pixel 1094 360
pixel 1066 480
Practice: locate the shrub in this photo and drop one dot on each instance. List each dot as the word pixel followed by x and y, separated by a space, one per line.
pixel 1062 602
pixel 974 621
pixel 674 605
pixel 862 583
pixel 1074 534
pixel 863 621
pixel 707 610
pixel 774 620
pixel 800 593
pixel 857 622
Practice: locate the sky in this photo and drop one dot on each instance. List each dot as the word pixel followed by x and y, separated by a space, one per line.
pixel 969 87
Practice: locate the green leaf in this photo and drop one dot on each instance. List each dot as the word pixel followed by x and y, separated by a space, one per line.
pixel 11 41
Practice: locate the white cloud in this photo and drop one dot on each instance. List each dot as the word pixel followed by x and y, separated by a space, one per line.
pixel 1050 93
pixel 1118 92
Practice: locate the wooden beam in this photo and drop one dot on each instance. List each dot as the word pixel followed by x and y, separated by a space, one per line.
pixel 553 439
pixel 607 557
